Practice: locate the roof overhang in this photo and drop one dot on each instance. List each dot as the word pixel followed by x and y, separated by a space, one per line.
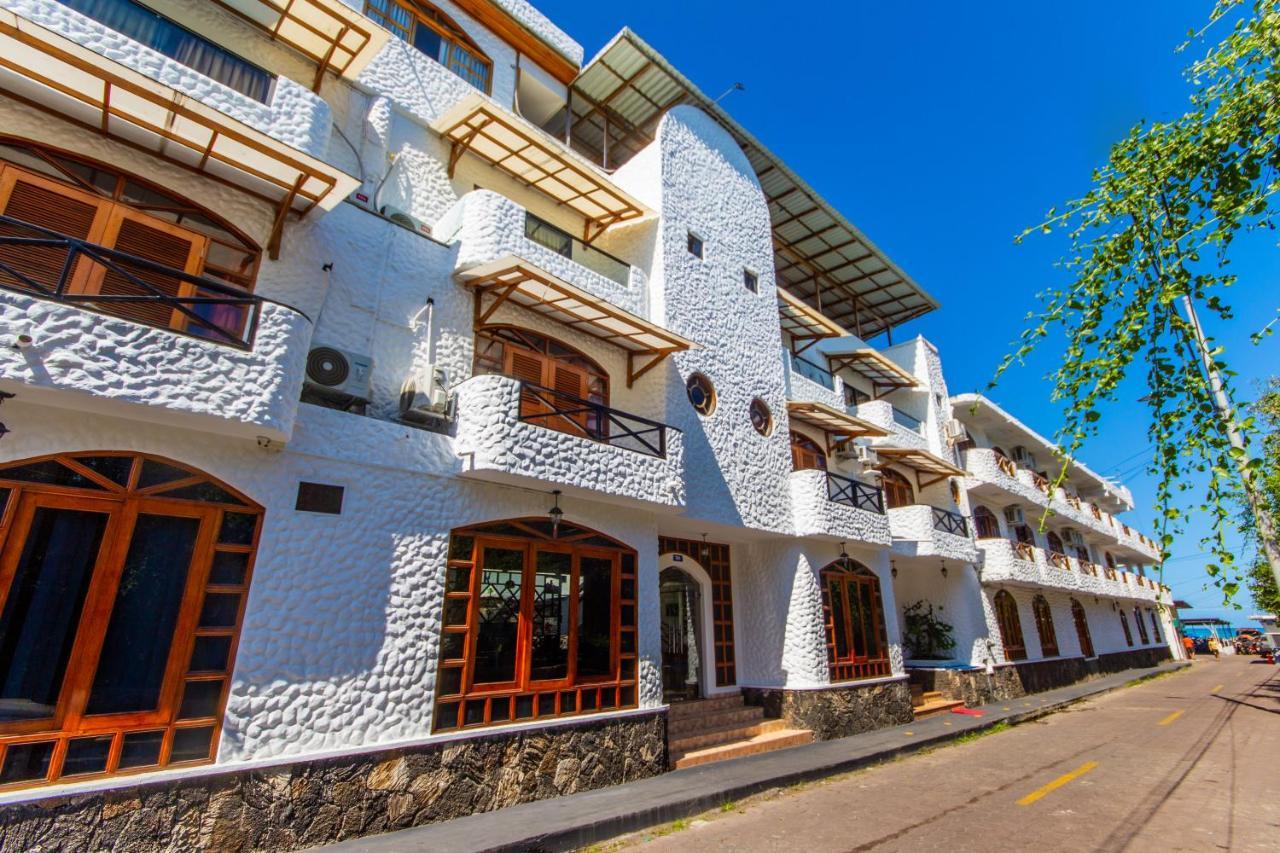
pixel 882 372
pixel 330 33
pixel 52 73
pixel 511 279
pixel 804 324
pixel 929 468
pixel 832 421
pixel 507 142
pixel 617 101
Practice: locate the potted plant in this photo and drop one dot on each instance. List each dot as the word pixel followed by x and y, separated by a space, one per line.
pixel 926 635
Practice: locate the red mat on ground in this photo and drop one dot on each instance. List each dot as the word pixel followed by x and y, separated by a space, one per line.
pixel 968 712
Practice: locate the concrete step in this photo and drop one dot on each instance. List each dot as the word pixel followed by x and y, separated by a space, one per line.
pixel 698 707
pixel 688 743
pixel 938 706
pixel 767 742
pixel 724 719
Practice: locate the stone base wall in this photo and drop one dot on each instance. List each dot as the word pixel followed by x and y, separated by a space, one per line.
pixel 837 711
pixel 311 803
pixel 973 686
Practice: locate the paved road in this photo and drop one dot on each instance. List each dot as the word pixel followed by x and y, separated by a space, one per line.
pixel 1186 762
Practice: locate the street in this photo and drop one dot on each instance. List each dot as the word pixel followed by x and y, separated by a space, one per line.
pixel 1184 762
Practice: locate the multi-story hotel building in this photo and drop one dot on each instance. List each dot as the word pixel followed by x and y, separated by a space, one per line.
pixel 404 417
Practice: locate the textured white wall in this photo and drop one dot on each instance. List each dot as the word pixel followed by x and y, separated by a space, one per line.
pixel 915 536
pixel 816 514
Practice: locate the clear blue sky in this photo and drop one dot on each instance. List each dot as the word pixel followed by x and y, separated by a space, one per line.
pixel 943 130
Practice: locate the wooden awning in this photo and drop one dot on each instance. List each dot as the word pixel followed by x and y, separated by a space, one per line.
pixel 53 73
pixel 805 325
pixel 923 462
pixel 481 127
pixel 882 372
pixel 330 33
pixel 832 421
pixel 521 282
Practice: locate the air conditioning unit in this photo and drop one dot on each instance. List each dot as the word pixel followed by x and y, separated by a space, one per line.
pixel 1073 536
pixel 405 220
pixel 424 398
pixel 956 431
pixel 1024 457
pixel 858 453
pixel 1014 515
pixel 338 374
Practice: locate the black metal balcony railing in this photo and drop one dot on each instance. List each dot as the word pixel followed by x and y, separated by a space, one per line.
pixel 563 243
pixel 949 522
pixel 552 409
pixel 66 269
pixel 812 372
pixel 852 493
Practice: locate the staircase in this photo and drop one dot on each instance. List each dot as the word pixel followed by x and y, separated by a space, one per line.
pixel 930 703
pixel 707 730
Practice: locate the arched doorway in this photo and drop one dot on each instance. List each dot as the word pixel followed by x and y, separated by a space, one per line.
pixel 681 602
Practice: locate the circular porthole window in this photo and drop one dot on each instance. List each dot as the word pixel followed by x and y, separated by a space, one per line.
pixel 702 394
pixel 761 417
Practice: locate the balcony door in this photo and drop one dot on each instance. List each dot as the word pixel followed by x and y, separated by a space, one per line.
pixel 806 454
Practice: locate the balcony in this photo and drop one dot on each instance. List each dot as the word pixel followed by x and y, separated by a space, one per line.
pixel 1020 564
pixel 809 382
pixel 521 434
pixel 133 338
pixel 926 531
pixel 904 430
pixel 836 507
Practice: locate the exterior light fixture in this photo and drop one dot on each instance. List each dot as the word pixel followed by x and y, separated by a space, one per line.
pixel 942 567
pixel 705 551
pixel 893 568
pixel 556 514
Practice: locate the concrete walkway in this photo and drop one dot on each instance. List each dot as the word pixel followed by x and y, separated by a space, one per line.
pixel 566 823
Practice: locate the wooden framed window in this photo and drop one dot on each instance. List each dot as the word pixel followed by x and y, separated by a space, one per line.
pixel 435 34
pixel 750 281
pixel 1044 626
pixel 1124 624
pixel 1142 627
pixel 1082 628
pixel 761 417
pixel 854 615
pixel 1155 626
pixel 123 580
pixel 539 621
pixel 702 394
pixel 1010 626
pixel 806 454
pixel 985 523
pixel 897 489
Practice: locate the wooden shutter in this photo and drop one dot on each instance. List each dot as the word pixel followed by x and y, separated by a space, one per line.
pixel 806 455
pixel 572 382
pixel 48 204
pixel 530 367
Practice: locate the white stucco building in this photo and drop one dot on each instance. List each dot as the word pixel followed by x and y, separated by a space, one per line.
pixel 407 414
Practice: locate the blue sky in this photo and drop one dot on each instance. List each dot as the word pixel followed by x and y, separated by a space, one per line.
pixel 943 130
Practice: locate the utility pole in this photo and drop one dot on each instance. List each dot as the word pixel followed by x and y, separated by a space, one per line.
pixel 1262 519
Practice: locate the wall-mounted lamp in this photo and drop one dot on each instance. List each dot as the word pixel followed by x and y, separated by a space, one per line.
pixel 704 553
pixel 943 568
pixel 556 514
pixel 893 568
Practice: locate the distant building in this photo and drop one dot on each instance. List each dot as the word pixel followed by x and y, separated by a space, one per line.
pixel 1270 627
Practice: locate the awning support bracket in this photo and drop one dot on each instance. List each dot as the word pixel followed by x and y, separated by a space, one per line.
pixel 277 227
pixel 655 359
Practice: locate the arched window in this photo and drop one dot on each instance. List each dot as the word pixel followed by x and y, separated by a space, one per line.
pixel 123 580
pixel 1142 627
pixel 107 208
pixel 1082 628
pixel 1044 627
pixel 897 489
pixel 1010 626
pixel 1124 623
pixel 806 454
pixel 539 621
pixel 435 34
pixel 1111 567
pixel 1054 543
pixel 851 604
pixel 985 523
pixel 1155 626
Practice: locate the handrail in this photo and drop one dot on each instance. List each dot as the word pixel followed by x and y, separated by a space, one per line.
pixel 1039 482
pixel 562 412
pixel 949 522
pixel 843 490
pixel 812 371
pixel 563 243
pixel 1005 464
pixel 1025 551
pixel 15 275
pixel 1059 560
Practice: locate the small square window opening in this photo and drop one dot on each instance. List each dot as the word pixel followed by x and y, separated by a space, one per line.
pixel 695 244
pixel 751 281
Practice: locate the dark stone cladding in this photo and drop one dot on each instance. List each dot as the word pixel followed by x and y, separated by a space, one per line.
pixel 837 711
pixel 975 687
pixel 317 802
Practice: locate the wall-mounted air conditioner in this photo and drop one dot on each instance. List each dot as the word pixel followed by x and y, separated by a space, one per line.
pixel 859 454
pixel 956 431
pixel 405 220
pixel 338 375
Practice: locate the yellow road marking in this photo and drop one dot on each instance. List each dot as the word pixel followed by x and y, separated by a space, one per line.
pixel 1216 689
pixel 1169 719
pixel 1057 783
pixel 909 734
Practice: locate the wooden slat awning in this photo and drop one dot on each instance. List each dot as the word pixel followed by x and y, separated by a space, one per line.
pixel 481 127
pixel 923 462
pixel 521 282
pixel 616 103
pixel 330 33
pixel 832 421
pixel 805 325
pixel 882 372
pixel 52 73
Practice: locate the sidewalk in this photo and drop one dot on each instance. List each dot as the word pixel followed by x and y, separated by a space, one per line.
pixel 578 820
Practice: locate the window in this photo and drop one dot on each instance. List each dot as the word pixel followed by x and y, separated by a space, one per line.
pixel 1010 626
pixel 1142 627
pixel 806 454
pixel 751 281
pixel 1054 542
pixel 695 245
pixel 538 622
pixel 1155 626
pixel 854 397
pixel 435 34
pixel 985 523
pixel 1124 623
pixel 702 394
pixel 124 582
pixel 1082 628
pixel 897 489
pixel 851 605
pixel 1044 627
pixel 761 417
